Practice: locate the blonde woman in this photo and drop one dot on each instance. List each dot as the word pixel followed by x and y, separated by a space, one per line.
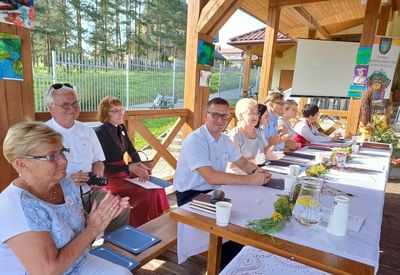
pixel 284 126
pixel 248 139
pixel 43 227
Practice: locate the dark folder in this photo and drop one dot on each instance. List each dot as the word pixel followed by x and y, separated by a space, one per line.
pixel 132 239
pixel 109 254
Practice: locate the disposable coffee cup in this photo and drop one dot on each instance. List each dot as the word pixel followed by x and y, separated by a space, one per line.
pixel 289 182
pixel 223 212
pixel 355 148
pixel 294 170
pixel 339 216
pixel 319 157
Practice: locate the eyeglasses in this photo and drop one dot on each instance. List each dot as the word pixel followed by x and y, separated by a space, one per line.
pixel 117 111
pixel 216 115
pixel 68 106
pixel 251 113
pixel 279 102
pixel 51 157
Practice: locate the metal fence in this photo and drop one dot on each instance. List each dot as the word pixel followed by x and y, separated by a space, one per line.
pixel 139 83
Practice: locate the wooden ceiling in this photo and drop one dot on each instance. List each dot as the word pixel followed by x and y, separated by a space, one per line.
pixel 298 17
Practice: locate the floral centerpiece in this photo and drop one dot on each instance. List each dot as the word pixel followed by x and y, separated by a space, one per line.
pixel 283 211
pixel 340 156
pixel 317 170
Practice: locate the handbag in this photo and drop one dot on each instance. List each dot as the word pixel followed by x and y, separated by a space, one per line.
pixel 147 162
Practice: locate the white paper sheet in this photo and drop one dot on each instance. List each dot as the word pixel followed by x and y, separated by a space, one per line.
pixel 145 184
pixel 354 224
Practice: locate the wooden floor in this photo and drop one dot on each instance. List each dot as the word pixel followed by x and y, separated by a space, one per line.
pixel 390 243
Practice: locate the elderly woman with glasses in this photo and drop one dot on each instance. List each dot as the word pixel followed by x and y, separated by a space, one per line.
pixel 43 227
pixel 146 204
pixel 305 130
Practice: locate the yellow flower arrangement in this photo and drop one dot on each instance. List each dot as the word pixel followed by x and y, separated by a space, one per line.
pixel 277 216
pixel 283 211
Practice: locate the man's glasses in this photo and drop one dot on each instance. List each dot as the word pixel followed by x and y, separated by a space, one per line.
pixel 117 111
pixel 51 157
pixel 216 115
pixel 68 106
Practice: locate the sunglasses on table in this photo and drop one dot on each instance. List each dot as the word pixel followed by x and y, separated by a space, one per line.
pixel 51 157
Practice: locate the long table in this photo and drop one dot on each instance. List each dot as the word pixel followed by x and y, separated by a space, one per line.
pixel 356 253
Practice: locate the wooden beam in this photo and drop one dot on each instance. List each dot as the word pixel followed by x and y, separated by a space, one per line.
pixel 154 143
pixel 214 255
pixel 383 20
pixel 246 73
pixel 286 3
pixel 267 67
pixel 16 98
pixel 311 22
pixel 370 22
pixel 214 15
pixel 312 33
pixel 195 97
pixel 367 39
pixel 170 137
pixel 396 5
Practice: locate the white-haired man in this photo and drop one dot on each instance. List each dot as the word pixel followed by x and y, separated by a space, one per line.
pixel 86 154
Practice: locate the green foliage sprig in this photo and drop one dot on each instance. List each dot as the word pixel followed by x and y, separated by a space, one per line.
pixel 283 211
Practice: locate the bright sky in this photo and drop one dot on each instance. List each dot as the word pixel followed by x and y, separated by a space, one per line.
pixel 239 23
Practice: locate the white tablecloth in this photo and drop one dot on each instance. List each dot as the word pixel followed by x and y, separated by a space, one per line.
pixel 252 261
pixel 255 202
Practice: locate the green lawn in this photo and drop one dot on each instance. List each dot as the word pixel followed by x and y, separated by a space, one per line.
pixel 157 126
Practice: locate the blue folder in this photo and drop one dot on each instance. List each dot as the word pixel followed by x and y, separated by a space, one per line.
pixel 159 182
pixel 113 256
pixel 131 239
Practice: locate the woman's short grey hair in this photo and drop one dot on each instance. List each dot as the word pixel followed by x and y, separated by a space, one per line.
pixel 243 105
pixel 49 98
pixel 24 137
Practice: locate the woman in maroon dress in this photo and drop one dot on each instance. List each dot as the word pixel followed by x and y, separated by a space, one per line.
pixel 146 204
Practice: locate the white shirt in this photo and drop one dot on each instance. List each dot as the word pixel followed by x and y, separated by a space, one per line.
pixel 200 149
pixel 85 148
pixel 21 212
pixel 249 147
pixel 310 133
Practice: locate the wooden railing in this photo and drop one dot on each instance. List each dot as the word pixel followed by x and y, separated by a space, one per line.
pixel 133 122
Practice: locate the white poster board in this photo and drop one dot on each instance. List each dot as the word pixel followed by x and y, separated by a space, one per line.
pixel 324 68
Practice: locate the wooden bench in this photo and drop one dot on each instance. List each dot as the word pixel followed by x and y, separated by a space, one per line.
pixel 164 228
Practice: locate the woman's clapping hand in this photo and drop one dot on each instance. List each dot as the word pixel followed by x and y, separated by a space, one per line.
pixel 104 212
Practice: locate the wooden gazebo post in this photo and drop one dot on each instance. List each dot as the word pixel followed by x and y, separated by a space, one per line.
pixel 17 102
pixel 267 67
pixel 205 18
pixel 367 39
pixel 246 73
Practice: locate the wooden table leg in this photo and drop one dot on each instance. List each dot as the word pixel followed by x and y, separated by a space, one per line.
pixel 214 255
